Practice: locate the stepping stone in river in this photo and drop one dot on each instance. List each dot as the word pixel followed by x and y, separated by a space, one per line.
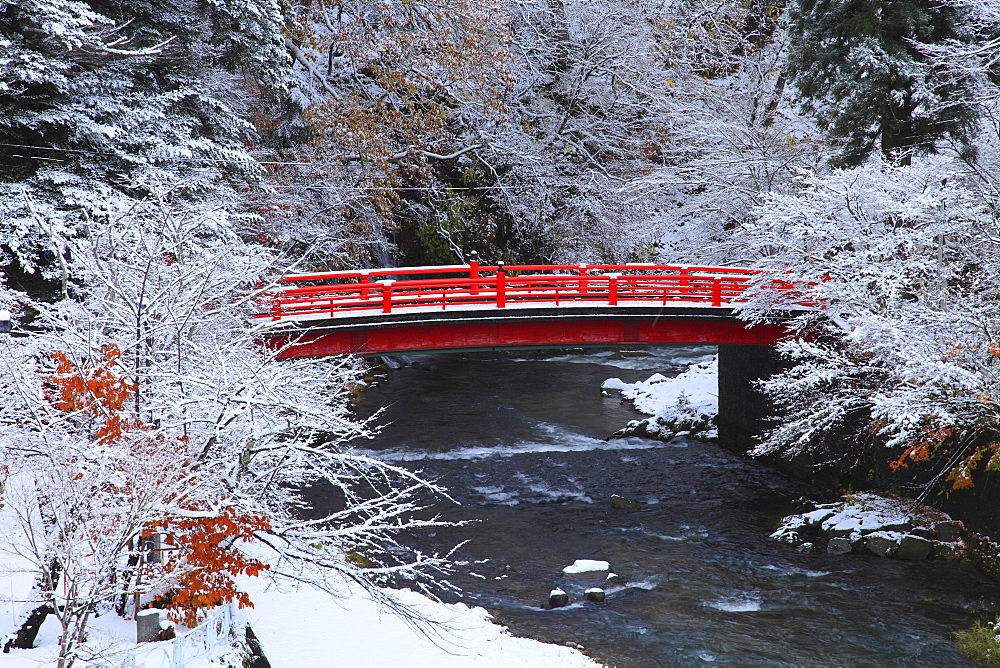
pixel 558 598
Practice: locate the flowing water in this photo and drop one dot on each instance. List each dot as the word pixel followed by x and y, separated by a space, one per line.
pixel 521 444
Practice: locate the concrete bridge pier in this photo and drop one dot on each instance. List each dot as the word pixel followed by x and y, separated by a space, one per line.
pixel 743 409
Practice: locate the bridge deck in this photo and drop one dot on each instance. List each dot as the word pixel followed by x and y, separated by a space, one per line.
pixel 349 294
pixel 473 307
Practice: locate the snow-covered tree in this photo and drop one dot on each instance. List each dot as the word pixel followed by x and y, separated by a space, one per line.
pixel 734 138
pixel 381 100
pixel 102 103
pixel 860 69
pixel 145 402
pixel 897 361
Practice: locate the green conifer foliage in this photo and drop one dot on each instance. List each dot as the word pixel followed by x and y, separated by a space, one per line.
pixel 860 69
pixel 102 102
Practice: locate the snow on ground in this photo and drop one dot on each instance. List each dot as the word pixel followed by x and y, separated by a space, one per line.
pixel 681 406
pixel 297 627
pixel 307 627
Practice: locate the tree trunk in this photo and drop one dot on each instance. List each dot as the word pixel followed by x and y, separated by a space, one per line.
pixel 24 637
pixel 560 33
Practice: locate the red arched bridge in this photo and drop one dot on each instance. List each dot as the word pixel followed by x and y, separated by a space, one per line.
pixel 488 307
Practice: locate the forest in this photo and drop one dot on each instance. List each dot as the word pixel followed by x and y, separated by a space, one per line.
pixel 161 164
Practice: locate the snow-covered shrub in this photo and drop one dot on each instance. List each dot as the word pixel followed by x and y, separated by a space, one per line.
pixel 144 402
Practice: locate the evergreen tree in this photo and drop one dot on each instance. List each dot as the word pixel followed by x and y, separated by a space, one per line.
pixel 101 102
pixel 860 67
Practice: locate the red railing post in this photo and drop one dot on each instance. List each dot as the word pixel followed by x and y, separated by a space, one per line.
pixel 387 295
pixel 613 289
pixel 276 309
pixel 583 279
pixel 365 283
pixel 716 291
pixel 474 271
pixel 501 286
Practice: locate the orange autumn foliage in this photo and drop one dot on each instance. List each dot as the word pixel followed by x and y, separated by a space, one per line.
pixel 200 550
pixel 204 563
pixel 922 451
pixel 94 390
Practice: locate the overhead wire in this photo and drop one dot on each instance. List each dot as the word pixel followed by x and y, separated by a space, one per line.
pixel 276 186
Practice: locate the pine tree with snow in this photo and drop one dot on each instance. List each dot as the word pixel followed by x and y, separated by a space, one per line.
pixel 103 102
pixel 860 67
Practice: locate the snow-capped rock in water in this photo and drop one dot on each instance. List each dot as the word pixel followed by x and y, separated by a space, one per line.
pixel 588 569
pixel 685 405
pixel 873 524
pixel 558 598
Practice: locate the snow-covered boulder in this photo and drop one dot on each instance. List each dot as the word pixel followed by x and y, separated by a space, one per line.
pixel 685 405
pixel 588 569
pixel 869 523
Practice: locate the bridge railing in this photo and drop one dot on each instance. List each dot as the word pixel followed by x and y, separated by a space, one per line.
pixel 474 286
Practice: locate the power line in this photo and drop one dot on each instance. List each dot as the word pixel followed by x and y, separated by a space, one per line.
pixel 264 162
pixel 138 155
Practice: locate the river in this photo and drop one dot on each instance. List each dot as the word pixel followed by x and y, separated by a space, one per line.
pixel 520 442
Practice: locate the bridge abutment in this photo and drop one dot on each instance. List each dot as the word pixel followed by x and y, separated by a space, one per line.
pixel 743 409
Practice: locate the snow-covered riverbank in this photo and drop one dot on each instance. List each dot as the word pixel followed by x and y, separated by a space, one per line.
pixel 297 626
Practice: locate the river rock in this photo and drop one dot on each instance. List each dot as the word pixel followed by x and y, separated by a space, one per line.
pixel 839 546
pixel 558 598
pixel 924 532
pixel 614 580
pixel 914 548
pixel 595 594
pixel 791 529
pixel 621 503
pixel 882 543
pixel 588 569
pixel 948 531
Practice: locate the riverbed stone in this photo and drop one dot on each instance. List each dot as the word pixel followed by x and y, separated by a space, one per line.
pixel 613 580
pixel 621 503
pixel 901 526
pixel 839 545
pixel 948 531
pixel 843 530
pixel 595 594
pixel 882 543
pixel 558 598
pixel 914 548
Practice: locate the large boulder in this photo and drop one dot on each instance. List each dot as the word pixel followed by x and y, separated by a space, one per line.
pixel 883 543
pixel 914 548
pixel 948 531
